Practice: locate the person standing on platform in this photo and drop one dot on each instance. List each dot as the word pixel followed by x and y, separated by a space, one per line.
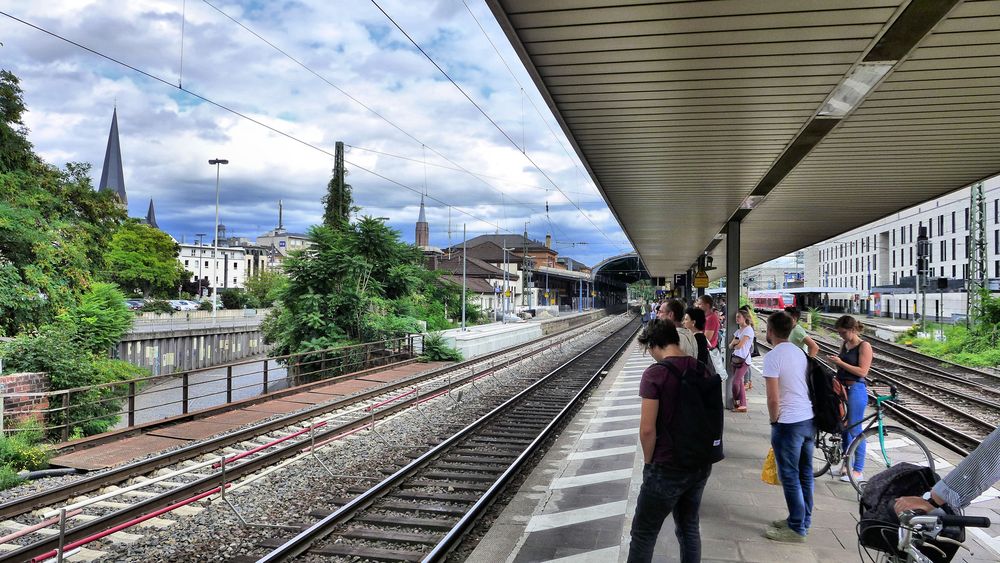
pixel 853 363
pixel 666 489
pixel 751 322
pixel 712 327
pixel 672 311
pixel 741 345
pixel 799 337
pixel 694 321
pixel 792 432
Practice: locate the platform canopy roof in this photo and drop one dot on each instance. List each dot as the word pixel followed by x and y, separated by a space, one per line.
pixel 801 118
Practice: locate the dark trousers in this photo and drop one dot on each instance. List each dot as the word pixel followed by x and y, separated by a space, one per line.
pixel 665 491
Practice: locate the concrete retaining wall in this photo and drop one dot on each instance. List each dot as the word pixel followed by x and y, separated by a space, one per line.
pixel 181 350
pixel 480 340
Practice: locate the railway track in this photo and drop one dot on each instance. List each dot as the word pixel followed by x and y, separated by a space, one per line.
pixel 144 488
pixel 421 511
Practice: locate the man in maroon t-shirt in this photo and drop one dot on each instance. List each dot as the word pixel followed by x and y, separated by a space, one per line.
pixel 665 488
pixel 712 326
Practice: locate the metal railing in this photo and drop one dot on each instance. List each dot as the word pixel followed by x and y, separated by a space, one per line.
pixel 148 399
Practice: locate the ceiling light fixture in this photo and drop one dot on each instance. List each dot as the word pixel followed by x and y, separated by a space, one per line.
pixel 853 89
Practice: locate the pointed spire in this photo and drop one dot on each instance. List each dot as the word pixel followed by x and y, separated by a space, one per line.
pixel 422 218
pixel 112 176
pixel 151 216
pixel 423 232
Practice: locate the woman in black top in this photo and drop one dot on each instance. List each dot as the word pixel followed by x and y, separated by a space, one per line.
pixel 853 363
pixel 694 320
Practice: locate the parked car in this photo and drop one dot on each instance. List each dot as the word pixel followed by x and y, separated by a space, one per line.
pixel 134 304
pixel 183 305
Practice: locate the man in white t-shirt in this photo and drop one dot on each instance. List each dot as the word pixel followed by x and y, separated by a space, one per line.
pixel 792 433
pixel 672 311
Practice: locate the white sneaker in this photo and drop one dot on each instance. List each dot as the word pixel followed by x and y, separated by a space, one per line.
pixel 858 476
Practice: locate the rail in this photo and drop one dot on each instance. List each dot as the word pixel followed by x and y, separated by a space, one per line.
pixel 145 399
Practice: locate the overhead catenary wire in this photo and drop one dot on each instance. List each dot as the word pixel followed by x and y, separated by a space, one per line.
pixel 487 116
pixel 237 113
pixel 354 98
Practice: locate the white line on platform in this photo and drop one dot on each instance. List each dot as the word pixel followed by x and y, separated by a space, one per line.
pixel 596 556
pixel 608 434
pixel 605 419
pixel 591 478
pixel 607 452
pixel 616 408
pixel 578 516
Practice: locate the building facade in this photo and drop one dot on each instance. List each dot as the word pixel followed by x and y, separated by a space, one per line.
pixel 879 260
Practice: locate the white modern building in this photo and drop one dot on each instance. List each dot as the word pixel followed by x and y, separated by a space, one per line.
pixel 228 269
pixel 879 260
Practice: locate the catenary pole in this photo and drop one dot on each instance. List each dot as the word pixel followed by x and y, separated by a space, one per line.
pixel 464 238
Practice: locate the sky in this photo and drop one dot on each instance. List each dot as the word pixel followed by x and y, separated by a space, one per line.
pixel 348 74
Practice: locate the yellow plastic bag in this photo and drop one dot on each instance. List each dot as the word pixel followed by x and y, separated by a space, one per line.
pixel 769 474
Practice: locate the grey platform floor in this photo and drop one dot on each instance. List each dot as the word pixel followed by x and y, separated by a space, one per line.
pixel 577 505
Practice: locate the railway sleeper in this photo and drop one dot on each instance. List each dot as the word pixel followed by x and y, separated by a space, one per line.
pixel 373 553
pixel 378 534
pixel 450 485
pixel 435 523
pixel 423 507
pixel 422 496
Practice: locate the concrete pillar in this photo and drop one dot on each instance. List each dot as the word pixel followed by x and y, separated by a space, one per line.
pixel 732 281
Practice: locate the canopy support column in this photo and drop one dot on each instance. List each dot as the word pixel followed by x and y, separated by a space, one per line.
pixel 732 281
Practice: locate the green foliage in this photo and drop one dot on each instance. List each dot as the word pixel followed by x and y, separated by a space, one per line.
pixel 642 289
pixel 8 478
pixel 158 306
pixel 265 286
pixel 205 306
pixel 338 203
pixel 814 318
pixel 15 149
pixel 21 451
pixel 234 298
pixel 437 350
pixel 141 258
pixel 358 284
pixel 101 319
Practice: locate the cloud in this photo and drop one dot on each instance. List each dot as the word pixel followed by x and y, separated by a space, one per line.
pixel 168 135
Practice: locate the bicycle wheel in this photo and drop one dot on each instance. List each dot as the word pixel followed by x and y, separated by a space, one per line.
pixel 826 452
pixel 898 446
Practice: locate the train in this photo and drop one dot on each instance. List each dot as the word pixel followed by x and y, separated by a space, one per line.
pixel 771 300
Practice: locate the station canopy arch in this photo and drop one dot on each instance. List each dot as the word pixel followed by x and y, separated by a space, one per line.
pixel 802 119
pixel 626 268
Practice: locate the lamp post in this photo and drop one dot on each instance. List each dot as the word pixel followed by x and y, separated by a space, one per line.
pixel 217 163
pixel 201 255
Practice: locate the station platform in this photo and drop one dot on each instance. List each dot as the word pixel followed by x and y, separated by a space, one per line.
pixel 577 504
pixel 885 328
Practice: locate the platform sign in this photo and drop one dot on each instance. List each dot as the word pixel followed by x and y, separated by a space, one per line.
pixel 701 280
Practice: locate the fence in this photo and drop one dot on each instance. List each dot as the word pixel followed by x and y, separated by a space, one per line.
pixel 186 319
pixel 152 398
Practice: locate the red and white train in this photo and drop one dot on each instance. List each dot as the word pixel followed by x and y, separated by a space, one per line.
pixel 771 300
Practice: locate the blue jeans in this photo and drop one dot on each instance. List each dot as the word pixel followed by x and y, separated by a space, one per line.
pixel 664 491
pixel 857 401
pixel 793 450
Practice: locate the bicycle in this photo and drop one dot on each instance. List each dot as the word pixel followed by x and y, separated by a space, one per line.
pixel 895 444
pixel 919 537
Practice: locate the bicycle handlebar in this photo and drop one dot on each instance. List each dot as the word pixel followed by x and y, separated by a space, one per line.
pixel 965 521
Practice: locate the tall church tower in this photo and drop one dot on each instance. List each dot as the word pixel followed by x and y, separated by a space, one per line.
pixel 112 176
pixel 423 234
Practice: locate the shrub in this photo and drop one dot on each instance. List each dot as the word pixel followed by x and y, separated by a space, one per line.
pixel 101 318
pixel 437 350
pixel 20 451
pixel 8 478
pixel 234 298
pixel 157 306
pixel 205 306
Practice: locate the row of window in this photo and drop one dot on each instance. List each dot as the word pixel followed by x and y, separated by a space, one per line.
pixel 866 282
pixel 859 261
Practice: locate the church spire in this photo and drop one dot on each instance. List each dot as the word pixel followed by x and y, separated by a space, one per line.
pixel 151 216
pixel 423 233
pixel 112 176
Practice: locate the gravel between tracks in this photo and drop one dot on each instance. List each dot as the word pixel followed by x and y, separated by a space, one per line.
pixel 289 495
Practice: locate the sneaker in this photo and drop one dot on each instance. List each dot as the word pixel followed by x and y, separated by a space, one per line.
pixel 785 535
pixel 838 471
pixel 740 409
pixel 858 476
pixel 779 524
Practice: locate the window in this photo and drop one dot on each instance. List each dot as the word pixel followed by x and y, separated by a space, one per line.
pixel 911 255
pixel 930 228
pixel 185 263
pixel 894 238
pixel 965 271
pixel 893 258
pixel 930 253
pixel 235 264
pixel 952 270
pixel 996 241
pixel 940 224
pixel 910 238
pixel 875 262
pixel 234 281
pixel 996 210
pixel 996 269
pixel 902 235
pixel 894 278
pixel 968 249
pixel 944 254
pixel 942 271
pixel 953 247
pixel 952 221
pixel 206 263
pixel 966 218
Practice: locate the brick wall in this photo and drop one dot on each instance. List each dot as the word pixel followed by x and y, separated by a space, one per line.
pixel 16 408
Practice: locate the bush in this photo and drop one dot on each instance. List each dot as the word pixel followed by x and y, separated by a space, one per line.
pixel 234 299
pixel 205 306
pixel 101 319
pixel 157 306
pixel 21 451
pixel 437 350
pixel 8 478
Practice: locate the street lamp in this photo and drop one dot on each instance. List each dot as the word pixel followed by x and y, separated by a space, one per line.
pixel 201 255
pixel 217 163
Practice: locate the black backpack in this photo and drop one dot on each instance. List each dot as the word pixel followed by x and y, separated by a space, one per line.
pixel 696 426
pixel 879 524
pixel 828 396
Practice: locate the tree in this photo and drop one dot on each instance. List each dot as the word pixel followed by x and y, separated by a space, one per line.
pixel 263 287
pixel 145 259
pixel 53 226
pixel 338 203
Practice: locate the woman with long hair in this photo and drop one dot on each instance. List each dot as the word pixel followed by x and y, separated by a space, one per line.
pixel 853 363
pixel 740 363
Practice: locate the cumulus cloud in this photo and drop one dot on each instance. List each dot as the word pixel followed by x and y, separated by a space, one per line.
pixel 168 135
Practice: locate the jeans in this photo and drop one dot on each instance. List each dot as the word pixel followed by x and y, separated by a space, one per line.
pixel 857 401
pixel 739 390
pixel 793 451
pixel 664 491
